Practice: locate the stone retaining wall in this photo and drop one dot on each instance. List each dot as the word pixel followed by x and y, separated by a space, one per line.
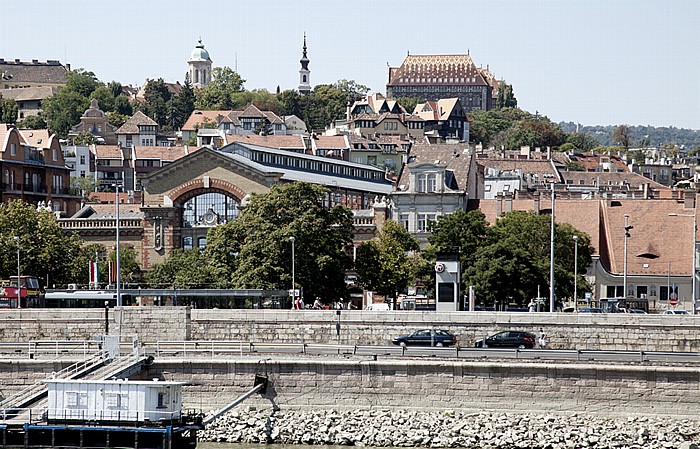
pixel 310 383
pixel 571 331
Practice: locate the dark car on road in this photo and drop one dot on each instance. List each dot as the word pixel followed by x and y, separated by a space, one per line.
pixel 508 339
pixel 426 337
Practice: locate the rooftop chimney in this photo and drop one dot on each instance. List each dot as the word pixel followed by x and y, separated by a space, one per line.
pixel 689 198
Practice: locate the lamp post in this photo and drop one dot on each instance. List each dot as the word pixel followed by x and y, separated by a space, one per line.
pixel 551 259
pixel 694 263
pixel 294 292
pixel 624 276
pixel 119 280
pixel 575 271
pixel 19 286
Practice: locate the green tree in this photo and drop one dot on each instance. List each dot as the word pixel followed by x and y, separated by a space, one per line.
pixel 123 106
pixel 84 138
pixel 485 125
pixel 104 98
pixel 129 268
pixel 63 110
pixel 116 88
pixel 45 251
pixel 8 110
pixel 32 122
pixel 290 102
pixel 155 101
pixel 537 131
pixel 82 82
pixel 515 260
pixel 182 105
pixel 623 136
pixel 224 83
pixel 582 141
pixel 256 249
pixel 505 97
pixel 460 232
pixel 410 103
pixel 186 269
pixel 116 119
pixel 83 185
pixel 385 265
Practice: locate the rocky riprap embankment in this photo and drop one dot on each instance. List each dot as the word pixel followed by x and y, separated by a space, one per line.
pixel 386 428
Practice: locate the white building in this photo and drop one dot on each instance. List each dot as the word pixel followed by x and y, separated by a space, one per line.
pixel 114 400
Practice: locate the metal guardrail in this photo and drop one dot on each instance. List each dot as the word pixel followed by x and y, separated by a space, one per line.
pixel 215 348
pixel 49 348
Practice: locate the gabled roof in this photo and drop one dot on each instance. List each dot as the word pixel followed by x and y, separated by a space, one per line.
pixel 294 142
pixel 250 112
pixel 198 117
pixel 38 138
pixel 107 151
pixel 453 157
pixel 436 69
pixel 131 126
pixel 330 142
pixel 52 72
pixel 436 110
pixel 160 153
pixel 28 93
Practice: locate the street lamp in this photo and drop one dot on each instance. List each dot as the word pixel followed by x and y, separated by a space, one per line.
pixel 624 276
pixel 119 280
pixel 575 271
pixel 19 287
pixel 294 293
pixel 551 259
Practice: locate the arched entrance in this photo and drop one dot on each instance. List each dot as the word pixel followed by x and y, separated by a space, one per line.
pixel 203 209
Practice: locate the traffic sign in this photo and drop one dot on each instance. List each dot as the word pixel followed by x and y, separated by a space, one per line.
pixel 674 299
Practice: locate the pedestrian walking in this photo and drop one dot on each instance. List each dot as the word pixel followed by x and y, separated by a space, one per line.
pixel 531 307
pixel 542 341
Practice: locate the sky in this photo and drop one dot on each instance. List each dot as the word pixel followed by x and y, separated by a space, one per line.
pixel 587 61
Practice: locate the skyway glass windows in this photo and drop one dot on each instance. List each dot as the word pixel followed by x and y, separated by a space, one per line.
pixel 427 182
pixel 209 209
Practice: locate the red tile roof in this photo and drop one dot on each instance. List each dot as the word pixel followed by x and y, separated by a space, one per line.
pixel 279 142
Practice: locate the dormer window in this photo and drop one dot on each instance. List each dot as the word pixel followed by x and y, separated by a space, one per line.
pixel 427 182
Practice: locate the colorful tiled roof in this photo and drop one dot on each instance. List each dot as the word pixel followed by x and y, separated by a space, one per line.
pixel 437 69
pixel 160 153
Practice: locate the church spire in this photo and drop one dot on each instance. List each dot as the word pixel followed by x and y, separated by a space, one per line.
pixel 304 73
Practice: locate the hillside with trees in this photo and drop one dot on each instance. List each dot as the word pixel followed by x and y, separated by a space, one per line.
pixel 641 136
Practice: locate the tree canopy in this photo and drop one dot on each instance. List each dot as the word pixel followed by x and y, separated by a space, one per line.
pixel 218 94
pixel 385 265
pixel 256 250
pixel 45 251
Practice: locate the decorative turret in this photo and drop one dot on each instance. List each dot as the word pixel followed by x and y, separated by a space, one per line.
pixel 304 73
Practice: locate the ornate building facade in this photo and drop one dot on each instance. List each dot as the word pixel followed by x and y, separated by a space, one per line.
pixel 435 77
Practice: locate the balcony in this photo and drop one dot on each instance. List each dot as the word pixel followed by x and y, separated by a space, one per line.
pixel 34 188
pixel 5 187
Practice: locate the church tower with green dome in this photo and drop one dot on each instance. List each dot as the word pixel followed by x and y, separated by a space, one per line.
pixel 199 66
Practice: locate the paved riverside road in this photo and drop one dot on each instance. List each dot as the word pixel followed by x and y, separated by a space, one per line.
pixel 218 348
pixel 233 348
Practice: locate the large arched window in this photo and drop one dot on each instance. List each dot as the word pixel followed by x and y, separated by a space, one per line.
pixel 209 209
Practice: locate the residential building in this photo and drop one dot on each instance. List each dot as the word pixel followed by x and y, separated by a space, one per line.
pixel 147 159
pixel 435 77
pixel 33 169
pixel 95 122
pixel 138 130
pixel 112 166
pixel 294 124
pixel 443 119
pixel 389 152
pixel 28 99
pixel 294 143
pixel 18 73
pixel 512 173
pixel 659 256
pixel 80 160
pixel 199 66
pixel 211 126
pixel 376 115
pixel 437 180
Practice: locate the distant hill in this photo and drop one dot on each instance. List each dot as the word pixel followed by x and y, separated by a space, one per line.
pixel 641 135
